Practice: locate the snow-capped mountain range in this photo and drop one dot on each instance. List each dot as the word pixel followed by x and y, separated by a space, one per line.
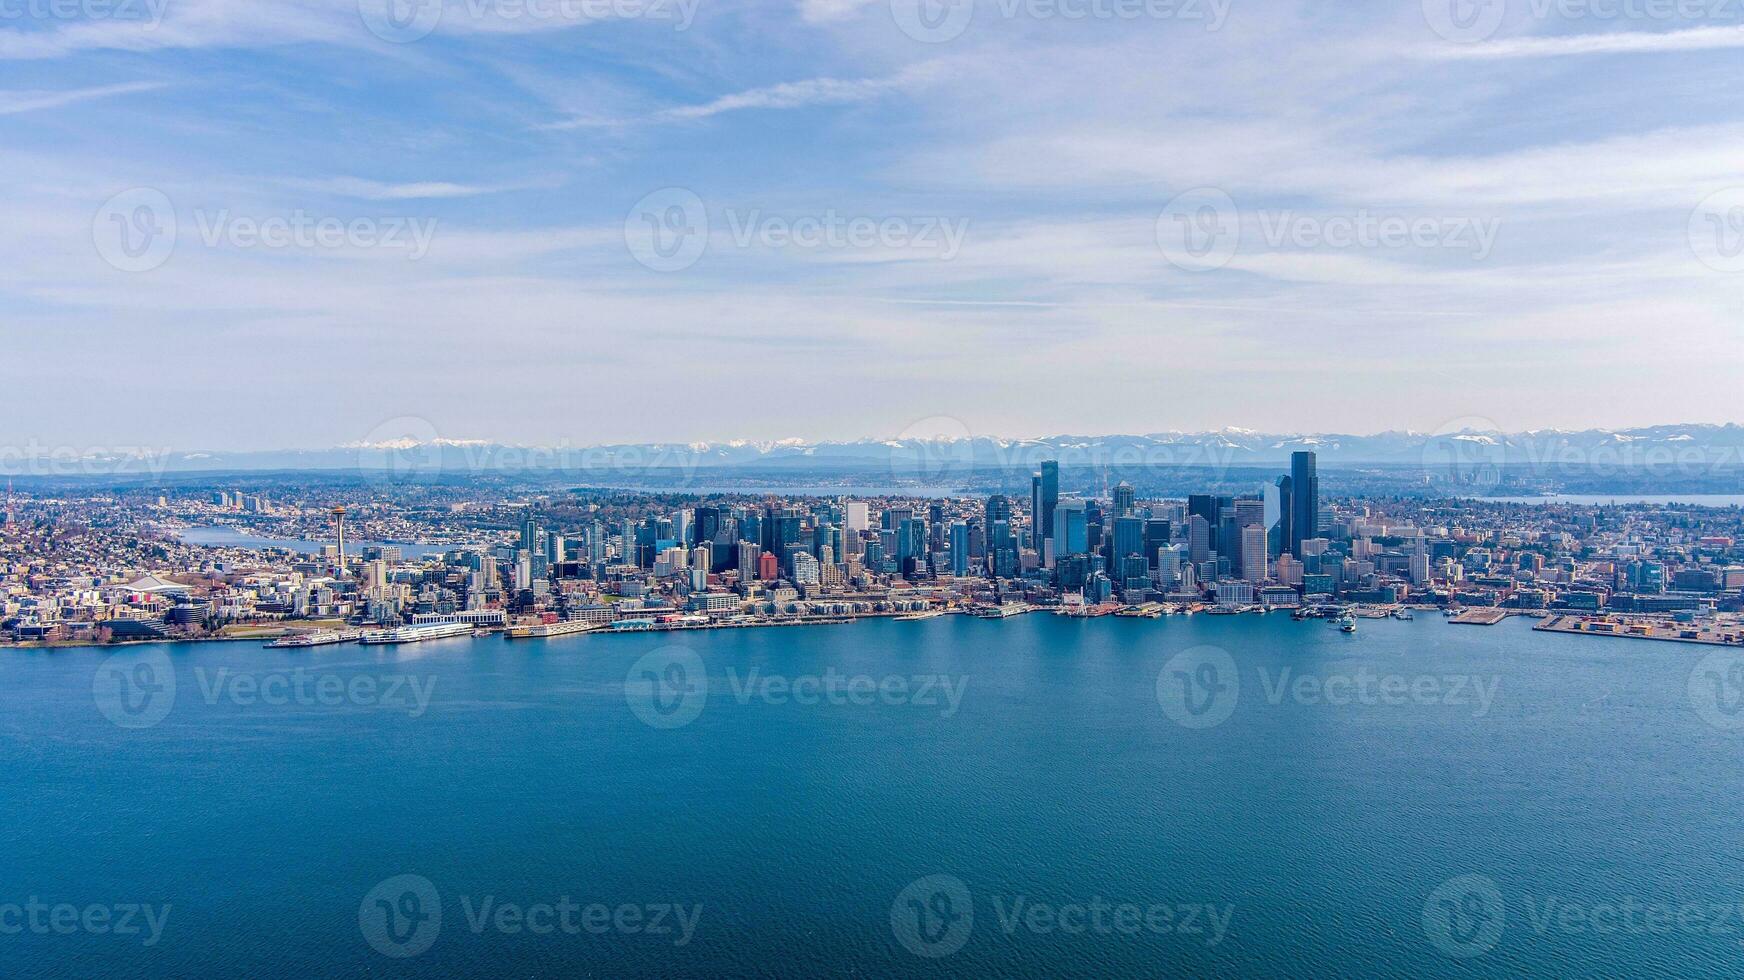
pixel 1706 445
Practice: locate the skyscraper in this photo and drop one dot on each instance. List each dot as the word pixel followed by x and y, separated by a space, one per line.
pixel 1304 500
pixel 1050 495
pixel 1070 535
pixel 1253 553
pixel 1123 499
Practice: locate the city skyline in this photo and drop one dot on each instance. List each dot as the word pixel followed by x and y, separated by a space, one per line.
pixel 335 218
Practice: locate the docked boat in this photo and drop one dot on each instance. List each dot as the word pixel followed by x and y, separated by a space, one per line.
pixel 917 616
pixel 566 628
pixel 1002 612
pixel 316 638
pixel 416 634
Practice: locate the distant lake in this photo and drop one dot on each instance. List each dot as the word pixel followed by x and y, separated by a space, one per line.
pixel 229 537
pixel 1586 499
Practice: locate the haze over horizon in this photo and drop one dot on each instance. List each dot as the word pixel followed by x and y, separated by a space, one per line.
pixel 835 218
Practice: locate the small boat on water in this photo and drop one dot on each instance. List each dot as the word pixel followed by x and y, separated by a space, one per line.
pixel 1347 623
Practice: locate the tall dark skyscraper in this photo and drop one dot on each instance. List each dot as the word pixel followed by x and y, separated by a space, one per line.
pixel 1123 499
pixel 1304 500
pixel 1050 495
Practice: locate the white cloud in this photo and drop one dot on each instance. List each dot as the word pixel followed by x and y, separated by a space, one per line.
pixel 1622 42
pixel 13 102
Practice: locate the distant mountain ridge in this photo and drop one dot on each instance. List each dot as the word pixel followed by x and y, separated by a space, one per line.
pixel 1711 446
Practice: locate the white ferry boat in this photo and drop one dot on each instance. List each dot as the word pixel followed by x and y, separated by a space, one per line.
pixel 317 638
pixel 414 634
pixel 565 628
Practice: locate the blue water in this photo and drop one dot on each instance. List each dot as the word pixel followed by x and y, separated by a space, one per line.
pixel 232 538
pixel 1323 830
pixel 1616 499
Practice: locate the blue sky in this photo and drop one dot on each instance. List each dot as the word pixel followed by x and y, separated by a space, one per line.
pixel 614 220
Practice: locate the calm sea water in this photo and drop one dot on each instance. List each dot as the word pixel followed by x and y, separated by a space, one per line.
pixel 1018 799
